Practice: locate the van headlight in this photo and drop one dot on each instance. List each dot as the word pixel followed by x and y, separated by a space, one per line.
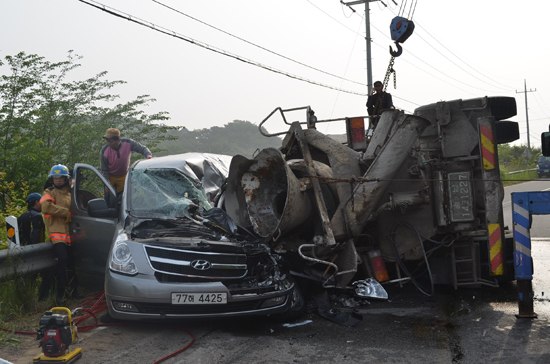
pixel 121 258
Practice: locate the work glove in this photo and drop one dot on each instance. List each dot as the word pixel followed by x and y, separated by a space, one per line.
pixel 68 218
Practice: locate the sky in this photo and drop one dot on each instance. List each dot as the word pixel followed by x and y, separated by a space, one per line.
pixel 223 71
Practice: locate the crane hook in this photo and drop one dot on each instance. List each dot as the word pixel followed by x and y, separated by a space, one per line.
pixel 398 52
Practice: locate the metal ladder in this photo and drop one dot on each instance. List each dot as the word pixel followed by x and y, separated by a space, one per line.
pixel 466 269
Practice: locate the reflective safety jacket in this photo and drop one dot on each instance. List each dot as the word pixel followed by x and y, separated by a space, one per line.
pixel 56 203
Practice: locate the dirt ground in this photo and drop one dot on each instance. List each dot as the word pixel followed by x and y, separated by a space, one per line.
pixel 22 348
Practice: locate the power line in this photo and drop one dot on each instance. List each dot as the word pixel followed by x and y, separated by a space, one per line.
pixel 174 34
pixel 345 71
pixel 526 110
pixel 256 45
pixel 431 66
pixel 438 51
pixel 537 98
pixel 342 24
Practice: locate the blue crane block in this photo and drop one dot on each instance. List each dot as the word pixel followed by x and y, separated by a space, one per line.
pixel 400 29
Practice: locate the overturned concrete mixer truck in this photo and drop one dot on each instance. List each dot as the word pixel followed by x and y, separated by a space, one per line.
pixel 415 190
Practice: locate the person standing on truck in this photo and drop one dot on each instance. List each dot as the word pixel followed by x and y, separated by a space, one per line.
pixel 56 204
pixel 30 223
pixel 115 158
pixel 379 101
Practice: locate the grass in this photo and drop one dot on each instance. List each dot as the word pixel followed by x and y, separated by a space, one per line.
pixel 18 297
pixel 513 179
pixel 20 308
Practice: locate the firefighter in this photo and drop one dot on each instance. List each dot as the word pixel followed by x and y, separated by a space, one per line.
pixel 56 204
pixel 31 223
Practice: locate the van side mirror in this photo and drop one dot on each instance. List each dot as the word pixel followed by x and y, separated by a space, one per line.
pixel 545 141
pixel 98 208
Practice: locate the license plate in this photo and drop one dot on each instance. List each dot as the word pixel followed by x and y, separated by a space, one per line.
pixel 199 298
pixel 460 197
pixel 546 170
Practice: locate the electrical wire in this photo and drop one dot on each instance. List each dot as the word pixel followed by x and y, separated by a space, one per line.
pixel 537 97
pixel 460 67
pixel 391 236
pixel 345 71
pixel 434 76
pixel 330 16
pixel 423 70
pixel 507 88
pixel 256 45
pixel 174 34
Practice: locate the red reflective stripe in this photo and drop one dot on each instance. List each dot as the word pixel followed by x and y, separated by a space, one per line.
pixel 63 237
pixel 46 197
pixel 487 132
pixel 495 238
pixel 48 215
pixel 58 234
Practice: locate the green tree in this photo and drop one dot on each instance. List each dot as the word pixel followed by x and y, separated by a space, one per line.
pixel 515 157
pixel 46 119
pixel 237 137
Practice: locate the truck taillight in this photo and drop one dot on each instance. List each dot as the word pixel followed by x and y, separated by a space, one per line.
pixel 378 265
pixel 356 133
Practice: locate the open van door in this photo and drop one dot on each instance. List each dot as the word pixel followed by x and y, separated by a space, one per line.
pixel 91 237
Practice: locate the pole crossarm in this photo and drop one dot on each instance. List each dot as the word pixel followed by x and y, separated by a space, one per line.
pixel 526 111
pixel 367 37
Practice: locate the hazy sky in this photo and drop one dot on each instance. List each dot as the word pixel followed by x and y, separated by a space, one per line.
pixel 459 50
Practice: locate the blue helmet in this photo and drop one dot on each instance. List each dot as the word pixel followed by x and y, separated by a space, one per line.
pixel 34 197
pixel 59 170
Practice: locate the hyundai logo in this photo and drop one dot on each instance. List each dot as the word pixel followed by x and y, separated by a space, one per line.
pixel 201 264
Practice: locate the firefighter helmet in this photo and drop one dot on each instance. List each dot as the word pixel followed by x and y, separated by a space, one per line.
pixel 59 170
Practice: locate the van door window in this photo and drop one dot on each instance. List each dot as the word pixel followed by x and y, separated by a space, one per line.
pixel 88 187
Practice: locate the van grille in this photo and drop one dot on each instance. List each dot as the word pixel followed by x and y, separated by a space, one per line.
pixel 180 262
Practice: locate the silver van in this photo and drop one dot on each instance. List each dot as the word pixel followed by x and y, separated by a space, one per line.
pixel 167 249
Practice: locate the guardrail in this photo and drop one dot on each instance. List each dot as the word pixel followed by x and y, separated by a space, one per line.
pixel 26 259
pixel 523 170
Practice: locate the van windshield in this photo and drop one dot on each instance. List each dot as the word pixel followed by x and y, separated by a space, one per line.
pixel 543 159
pixel 164 193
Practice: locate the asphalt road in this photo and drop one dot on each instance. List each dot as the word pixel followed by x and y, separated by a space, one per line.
pixel 467 326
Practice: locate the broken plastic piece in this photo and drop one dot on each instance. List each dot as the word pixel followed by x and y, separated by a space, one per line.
pixel 325 309
pixel 370 288
pixel 298 323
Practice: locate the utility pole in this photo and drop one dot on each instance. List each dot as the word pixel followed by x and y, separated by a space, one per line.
pixel 526 111
pixel 367 37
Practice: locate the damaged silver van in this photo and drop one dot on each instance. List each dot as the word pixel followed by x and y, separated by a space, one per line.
pixel 172 250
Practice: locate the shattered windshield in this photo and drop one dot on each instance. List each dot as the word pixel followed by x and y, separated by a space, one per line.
pixel 164 193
